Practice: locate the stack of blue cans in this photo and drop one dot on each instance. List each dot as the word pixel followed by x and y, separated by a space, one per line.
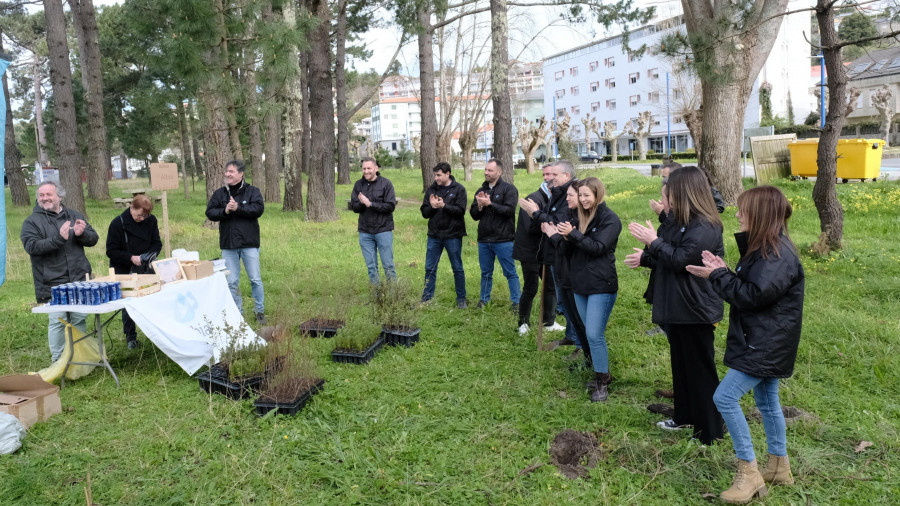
pixel 89 293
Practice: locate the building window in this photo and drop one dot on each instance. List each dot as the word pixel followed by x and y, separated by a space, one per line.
pixel 653 97
pixel 634 100
pixel 614 124
pixel 611 105
pixel 653 74
pixel 595 106
pixel 611 82
pixel 573 71
pixel 393 146
pixel 575 109
pixel 676 94
pixel 610 62
pixel 574 91
pixel 560 93
pixel 595 86
pixel 560 112
pixel 559 75
pixel 631 57
pixel 393 107
pixel 593 66
pixel 678 119
pixel 633 78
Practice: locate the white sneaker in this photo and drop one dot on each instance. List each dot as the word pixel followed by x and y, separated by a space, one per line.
pixel 554 328
pixel 523 329
pixel 669 425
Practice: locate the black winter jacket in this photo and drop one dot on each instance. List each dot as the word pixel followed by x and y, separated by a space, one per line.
pixel 527 244
pixel 593 260
pixel 448 222
pixel 240 228
pixel 55 260
pixel 555 211
pixel 678 296
pixel 496 222
pixel 379 217
pixel 127 238
pixel 766 314
pixel 647 260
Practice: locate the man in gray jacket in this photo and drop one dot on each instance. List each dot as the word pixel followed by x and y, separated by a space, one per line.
pixel 55 236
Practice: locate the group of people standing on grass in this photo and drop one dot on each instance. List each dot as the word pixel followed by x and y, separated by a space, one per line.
pixel 567 236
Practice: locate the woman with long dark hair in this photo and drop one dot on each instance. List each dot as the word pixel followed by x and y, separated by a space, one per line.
pixel 765 292
pixel 685 306
pixel 594 281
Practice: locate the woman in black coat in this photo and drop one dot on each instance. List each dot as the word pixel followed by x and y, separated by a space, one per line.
pixel 765 292
pixel 685 306
pixel 132 242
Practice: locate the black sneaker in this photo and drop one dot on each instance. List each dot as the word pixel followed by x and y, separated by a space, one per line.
pixel 481 304
pixel 132 343
pixel 515 307
pixel 261 318
pixel 462 304
pixel 670 425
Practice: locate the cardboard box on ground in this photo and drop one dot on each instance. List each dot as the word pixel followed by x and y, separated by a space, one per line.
pixel 29 398
pixel 194 269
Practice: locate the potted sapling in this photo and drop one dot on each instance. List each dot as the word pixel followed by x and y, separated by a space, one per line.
pixel 297 379
pixel 357 342
pixel 394 304
pixel 241 367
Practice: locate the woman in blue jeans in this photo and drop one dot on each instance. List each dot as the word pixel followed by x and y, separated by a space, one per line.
pixel 593 241
pixel 765 292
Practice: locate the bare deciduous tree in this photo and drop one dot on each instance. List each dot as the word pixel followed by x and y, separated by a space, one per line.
pixel 532 136
pixel 590 125
pixel 883 100
pixel 612 137
pixel 640 129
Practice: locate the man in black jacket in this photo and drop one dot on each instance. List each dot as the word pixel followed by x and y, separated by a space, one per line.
pixel 55 237
pixel 527 250
pixel 237 207
pixel 374 200
pixel 444 206
pixel 494 208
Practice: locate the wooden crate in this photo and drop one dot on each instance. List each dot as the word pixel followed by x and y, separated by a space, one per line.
pixel 134 285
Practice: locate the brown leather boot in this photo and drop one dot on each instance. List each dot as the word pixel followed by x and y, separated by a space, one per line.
pixel 747 484
pixel 601 392
pixel 778 471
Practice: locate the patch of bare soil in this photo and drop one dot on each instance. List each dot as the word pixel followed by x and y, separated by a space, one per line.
pixel 791 414
pixel 573 452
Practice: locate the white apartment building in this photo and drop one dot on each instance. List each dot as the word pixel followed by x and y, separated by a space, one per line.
pixel 395 122
pixel 601 80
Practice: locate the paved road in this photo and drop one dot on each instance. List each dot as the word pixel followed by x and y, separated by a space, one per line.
pixel 890 168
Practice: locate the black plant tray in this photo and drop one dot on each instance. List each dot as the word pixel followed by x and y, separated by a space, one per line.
pixel 215 381
pixel 316 330
pixel 400 337
pixel 357 357
pixel 288 408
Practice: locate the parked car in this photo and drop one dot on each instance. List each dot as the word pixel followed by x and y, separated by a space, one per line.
pixel 592 157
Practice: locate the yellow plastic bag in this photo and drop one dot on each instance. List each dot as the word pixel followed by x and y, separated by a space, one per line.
pixel 86 350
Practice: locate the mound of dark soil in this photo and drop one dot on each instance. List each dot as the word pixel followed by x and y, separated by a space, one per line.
pixel 791 414
pixel 573 452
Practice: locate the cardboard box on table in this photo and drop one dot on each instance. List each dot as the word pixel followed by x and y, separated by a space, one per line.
pixel 194 269
pixel 29 398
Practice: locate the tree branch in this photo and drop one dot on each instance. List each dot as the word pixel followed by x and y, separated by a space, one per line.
pixel 358 106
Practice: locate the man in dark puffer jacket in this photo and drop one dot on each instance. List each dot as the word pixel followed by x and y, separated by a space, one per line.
pixel 444 206
pixel 374 200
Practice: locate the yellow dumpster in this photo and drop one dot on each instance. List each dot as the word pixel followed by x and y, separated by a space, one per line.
pixel 857 158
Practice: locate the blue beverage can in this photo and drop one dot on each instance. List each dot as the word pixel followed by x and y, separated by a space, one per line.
pixel 76 300
pixel 63 295
pixel 70 294
pixel 84 295
pixel 54 295
pixel 96 297
pixel 118 290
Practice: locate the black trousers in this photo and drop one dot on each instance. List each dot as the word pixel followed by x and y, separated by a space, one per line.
pixel 694 379
pixel 532 273
pixel 128 327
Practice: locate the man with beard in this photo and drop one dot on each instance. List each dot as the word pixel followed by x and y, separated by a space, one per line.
pixel 444 206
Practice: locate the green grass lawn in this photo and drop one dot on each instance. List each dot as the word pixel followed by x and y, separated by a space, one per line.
pixel 458 417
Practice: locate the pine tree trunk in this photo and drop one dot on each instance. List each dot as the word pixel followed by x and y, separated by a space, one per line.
pixel 18 188
pixel 293 155
pixel 257 171
pixel 98 162
pixel 304 112
pixel 340 90
pixel 39 111
pixel 503 149
pixel 65 128
pixel 722 136
pixel 199 170
pixel 214 113
pixel 272 190
pixel 428 141
pixel 831 213
pixel 320 196
pixel 185 148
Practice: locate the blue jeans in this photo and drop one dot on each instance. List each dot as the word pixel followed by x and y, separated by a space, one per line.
pixel 765 391
pixel 56 331
pixel 373 245
pixel 487 251
pixel 594 310
pixel 250 256
pixel 433 256
pixel 571 333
